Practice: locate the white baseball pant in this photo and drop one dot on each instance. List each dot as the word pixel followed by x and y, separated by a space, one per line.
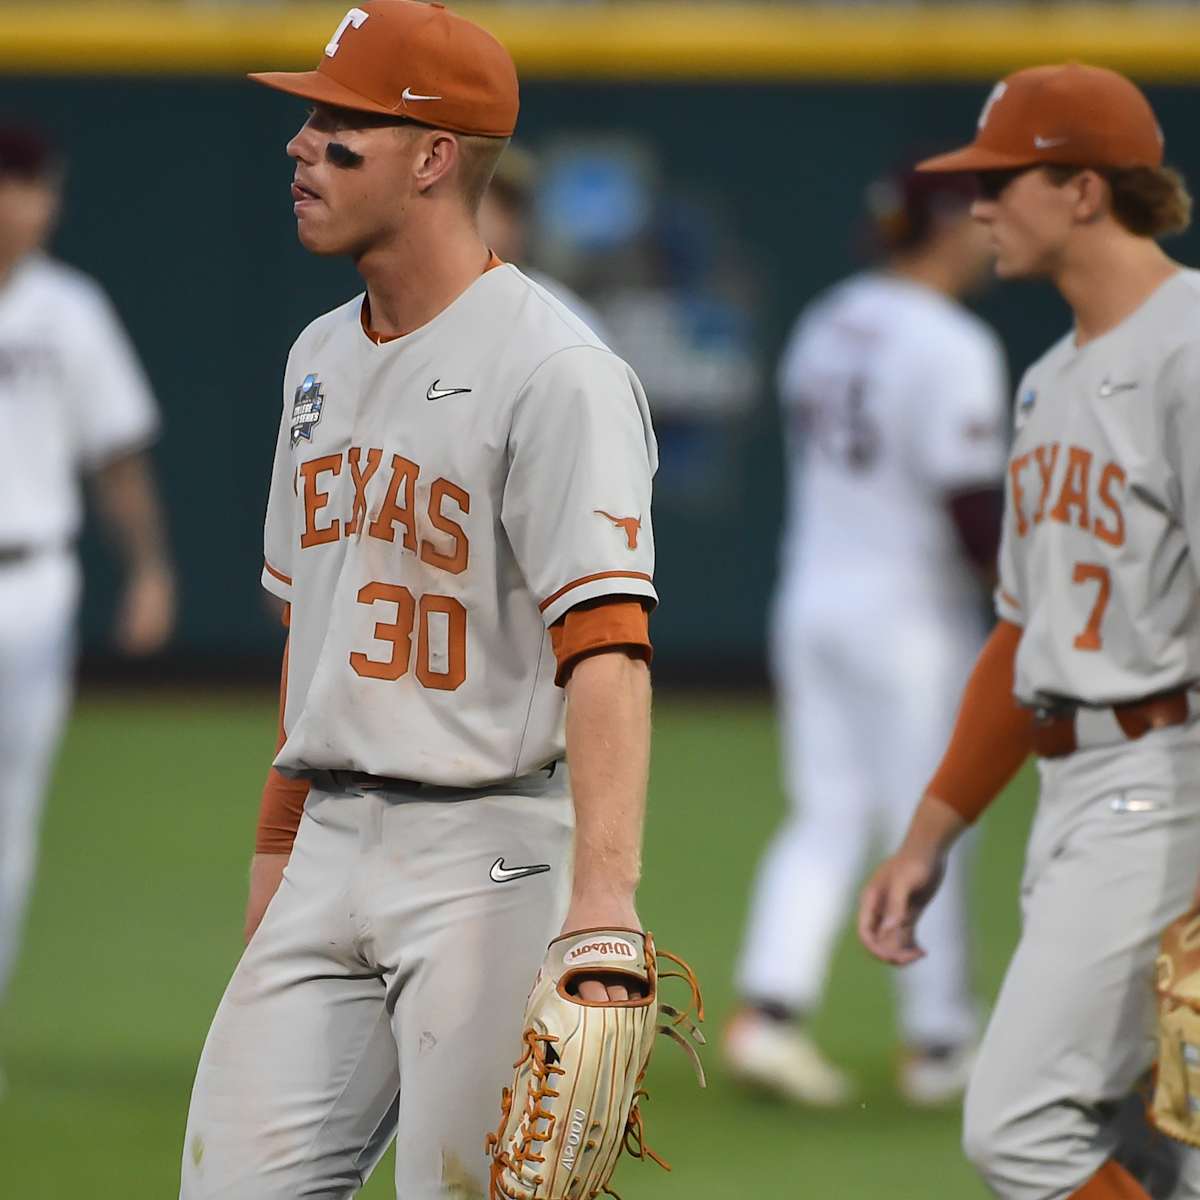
pixel 38 598
pixel 867 697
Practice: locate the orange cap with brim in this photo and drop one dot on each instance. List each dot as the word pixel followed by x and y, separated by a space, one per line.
pixel 402 58
pixel 1070 115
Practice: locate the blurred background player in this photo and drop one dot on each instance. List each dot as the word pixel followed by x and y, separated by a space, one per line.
pixel 73 402
pixel 505 224
pixel 895 401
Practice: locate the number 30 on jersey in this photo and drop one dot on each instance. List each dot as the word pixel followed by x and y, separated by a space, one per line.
pixel 441 622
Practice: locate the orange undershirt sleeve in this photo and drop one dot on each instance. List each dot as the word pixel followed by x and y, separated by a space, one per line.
pixel 1111 1182
pixel 282 799
pixel 993 734
pixel 611 623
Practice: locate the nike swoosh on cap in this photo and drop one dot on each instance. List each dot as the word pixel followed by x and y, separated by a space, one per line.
pixel 1042 143
pixel 409 94
pixel 502 874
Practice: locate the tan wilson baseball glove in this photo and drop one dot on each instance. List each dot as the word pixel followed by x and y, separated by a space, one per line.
pixel 1175 1108
pixel 574 1103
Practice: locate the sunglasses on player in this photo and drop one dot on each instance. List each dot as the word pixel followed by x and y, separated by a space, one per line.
pixel 992 183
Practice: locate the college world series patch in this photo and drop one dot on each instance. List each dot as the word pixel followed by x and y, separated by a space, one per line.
pixel 306 409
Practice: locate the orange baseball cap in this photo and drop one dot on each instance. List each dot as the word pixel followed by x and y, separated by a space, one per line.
pixel 1070 114
pixel 403 58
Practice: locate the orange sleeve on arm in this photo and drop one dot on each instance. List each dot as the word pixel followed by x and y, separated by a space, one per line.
pixel 282 799
pixel 993 734
pixel 612 623
pixel 1111 1182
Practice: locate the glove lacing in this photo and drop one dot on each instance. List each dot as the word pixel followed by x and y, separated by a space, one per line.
pixel 685 1017
pixel 634 1140
pixel 538 1048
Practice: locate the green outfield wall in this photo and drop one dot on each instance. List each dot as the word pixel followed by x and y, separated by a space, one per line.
pixel 178 201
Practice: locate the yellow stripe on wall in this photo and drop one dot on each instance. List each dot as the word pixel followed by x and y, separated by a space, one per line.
pixel 623 41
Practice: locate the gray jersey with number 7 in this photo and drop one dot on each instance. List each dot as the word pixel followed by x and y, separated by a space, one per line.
pixel 1099 562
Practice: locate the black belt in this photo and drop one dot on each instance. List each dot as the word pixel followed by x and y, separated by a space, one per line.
pixel 385 783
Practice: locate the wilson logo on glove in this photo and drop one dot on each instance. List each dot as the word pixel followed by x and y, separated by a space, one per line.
pixel 598 952
pixel 546 1147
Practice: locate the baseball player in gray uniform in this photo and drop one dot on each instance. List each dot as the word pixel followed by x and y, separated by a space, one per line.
pixel 1098 640
pixel 459 524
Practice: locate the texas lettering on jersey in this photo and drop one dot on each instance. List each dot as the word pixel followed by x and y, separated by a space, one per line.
pixel 396 509
pixel 440 622
pixel 1097 563
pixel 1064 483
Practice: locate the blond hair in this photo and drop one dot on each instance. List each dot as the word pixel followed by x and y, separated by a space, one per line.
pixel 1151 202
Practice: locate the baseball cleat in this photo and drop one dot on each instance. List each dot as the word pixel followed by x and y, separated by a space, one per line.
pixel 782 1059
pixel 936 1075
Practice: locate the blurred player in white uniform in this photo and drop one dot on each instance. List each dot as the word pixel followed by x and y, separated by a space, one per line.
pixel 895 402
pixel 73 403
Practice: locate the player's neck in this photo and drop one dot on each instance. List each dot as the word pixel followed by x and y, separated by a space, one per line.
pixel 8 265
pixel 928 270
pixel 1108 279
pixel 419 274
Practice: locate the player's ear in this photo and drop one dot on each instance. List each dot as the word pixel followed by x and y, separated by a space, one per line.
pixel 1093 197
pixel 438 155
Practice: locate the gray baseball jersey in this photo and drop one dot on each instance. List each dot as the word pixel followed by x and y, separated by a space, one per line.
pixel 438 500
pixel 1103 499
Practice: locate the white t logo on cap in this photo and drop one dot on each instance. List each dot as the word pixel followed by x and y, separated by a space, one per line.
pixel 990 103
pixel 354 17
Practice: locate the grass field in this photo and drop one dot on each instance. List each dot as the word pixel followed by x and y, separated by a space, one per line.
pixel 136 921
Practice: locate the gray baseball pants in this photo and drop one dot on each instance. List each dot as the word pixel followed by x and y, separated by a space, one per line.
pixel 382 995
pixel 1113 858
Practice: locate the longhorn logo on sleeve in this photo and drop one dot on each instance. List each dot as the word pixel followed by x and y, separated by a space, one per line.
pixel 630 526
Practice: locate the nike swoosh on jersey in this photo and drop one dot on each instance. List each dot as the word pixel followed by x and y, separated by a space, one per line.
pixel 440 393
pixel 409 94
pixel 1107 389
pixel 502 874
pixel 1135 804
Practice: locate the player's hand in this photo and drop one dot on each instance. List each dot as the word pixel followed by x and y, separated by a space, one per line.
pixel 147 613
pixel 892 902
pixel 603 912
pixel 266 873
